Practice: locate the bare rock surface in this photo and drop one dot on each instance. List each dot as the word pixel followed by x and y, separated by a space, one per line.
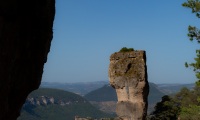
pixel 128 75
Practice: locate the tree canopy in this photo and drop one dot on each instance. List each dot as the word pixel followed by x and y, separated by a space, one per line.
pixel 194 34
pixel 185 104
pixel 167 109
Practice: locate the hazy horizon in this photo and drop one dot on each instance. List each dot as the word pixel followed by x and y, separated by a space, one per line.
pixel 61 82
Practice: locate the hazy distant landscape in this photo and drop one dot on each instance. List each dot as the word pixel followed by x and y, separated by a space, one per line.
pixel 83 88
pixel 54 104
pixel 80 88
pixel 94 99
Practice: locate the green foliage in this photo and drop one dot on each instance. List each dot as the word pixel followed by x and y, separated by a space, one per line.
pixel 189 103
pixel 190 113
pixel 186 103
pixel 124 49
pixel 189 100
pixel 194 33
pixel 57 94
pixel 196 65
pixel 167 109
pixel 79 106
pixel 194 5
pixel 56 112
pixel 186 97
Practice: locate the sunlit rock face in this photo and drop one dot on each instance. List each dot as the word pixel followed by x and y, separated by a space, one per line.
pixel 128 75
pixel 25 38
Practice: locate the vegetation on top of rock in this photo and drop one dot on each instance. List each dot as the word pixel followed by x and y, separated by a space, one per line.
pixel 125 49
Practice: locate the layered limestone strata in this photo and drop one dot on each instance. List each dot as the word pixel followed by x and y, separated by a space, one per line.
pixel 128 75
pixel 25 38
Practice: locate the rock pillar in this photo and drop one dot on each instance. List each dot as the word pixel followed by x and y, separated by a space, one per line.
pixel 128 75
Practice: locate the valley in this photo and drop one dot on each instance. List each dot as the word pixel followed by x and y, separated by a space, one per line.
pixel 94 99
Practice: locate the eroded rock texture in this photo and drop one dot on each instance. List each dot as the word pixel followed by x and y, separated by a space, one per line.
pixel 128 75
pixel 25 37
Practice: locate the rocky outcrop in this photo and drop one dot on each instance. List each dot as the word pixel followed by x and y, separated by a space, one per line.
pixel 128 75
pixel 42 100
pixel 25 37
pixel 45 100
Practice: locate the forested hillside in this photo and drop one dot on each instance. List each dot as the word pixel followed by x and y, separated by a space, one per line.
pixel 53 104
pixel 107 93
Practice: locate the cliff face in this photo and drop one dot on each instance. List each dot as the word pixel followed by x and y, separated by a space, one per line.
pixel 25 37
pixel 46 100
pixel 128 75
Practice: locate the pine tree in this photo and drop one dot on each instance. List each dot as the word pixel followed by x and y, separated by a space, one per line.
pixel 194 34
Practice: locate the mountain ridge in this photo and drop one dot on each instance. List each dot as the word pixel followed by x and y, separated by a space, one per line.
pixel 101 96
pixel 53 104
pixel 82 88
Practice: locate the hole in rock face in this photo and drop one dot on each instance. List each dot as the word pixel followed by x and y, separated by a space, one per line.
pixel 128 67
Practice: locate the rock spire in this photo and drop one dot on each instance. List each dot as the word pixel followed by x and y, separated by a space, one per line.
pixel 128 75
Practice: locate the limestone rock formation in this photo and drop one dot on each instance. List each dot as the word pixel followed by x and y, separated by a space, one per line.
pixel 128 75
pixel 25 37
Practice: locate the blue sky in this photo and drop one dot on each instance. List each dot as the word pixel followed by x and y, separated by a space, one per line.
pixel 87 32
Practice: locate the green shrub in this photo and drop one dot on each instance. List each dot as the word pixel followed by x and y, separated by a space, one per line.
pixel 125 49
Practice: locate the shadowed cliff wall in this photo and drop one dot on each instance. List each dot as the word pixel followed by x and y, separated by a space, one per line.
pixel 25 37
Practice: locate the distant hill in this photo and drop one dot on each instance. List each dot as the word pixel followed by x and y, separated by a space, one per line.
pixel 53 104
pixel 107 93
pixel 174 88
pixel 80 88
pixel 83 88
pixel 155 94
